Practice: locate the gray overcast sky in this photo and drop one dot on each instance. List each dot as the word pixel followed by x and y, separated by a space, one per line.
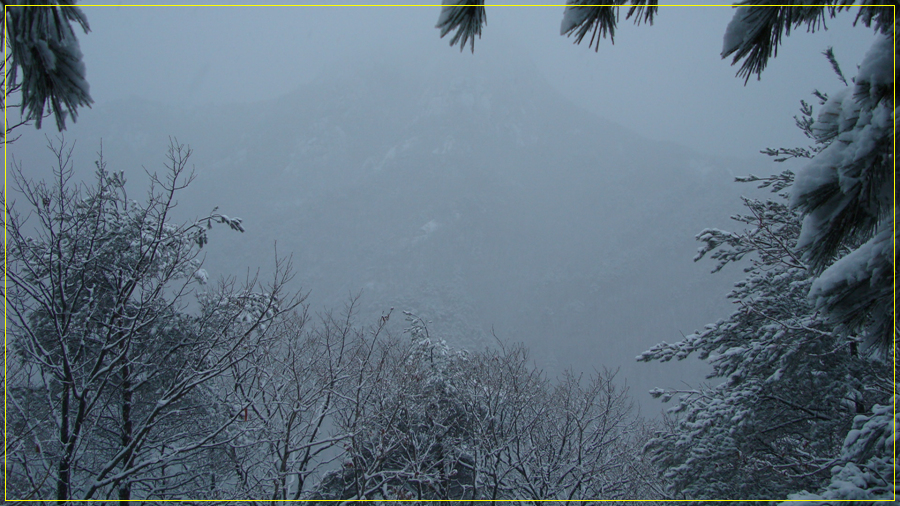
pixel 665 81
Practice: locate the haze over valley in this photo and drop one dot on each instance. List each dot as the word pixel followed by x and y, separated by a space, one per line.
pixel 474 195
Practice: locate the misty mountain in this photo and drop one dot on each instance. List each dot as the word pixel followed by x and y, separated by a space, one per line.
pixel 473 195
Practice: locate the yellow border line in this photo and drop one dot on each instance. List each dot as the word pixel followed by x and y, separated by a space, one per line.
pixel 5 87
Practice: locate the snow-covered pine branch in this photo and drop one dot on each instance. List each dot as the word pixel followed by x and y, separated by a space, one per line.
pixel 43 47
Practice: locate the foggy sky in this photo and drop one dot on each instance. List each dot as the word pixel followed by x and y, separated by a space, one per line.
pixel 665 81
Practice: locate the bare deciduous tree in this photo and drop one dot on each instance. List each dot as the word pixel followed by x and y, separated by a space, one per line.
pixel 438 424
pixel 113 396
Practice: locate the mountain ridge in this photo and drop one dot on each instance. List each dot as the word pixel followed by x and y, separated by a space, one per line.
pixel 474 196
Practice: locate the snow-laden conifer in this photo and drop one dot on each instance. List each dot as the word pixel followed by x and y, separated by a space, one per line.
pixel 785 385
pixel 847 198
pixel 864 471
pixel 793 384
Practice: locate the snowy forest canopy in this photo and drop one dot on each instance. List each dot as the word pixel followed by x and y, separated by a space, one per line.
pixel 133 376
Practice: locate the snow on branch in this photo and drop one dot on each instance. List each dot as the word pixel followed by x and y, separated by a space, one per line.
pixel 466 17
pixel 585 16
pixel 44 48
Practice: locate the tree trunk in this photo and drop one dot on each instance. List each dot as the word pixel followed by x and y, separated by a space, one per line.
pixel 63 476
pixel 127 429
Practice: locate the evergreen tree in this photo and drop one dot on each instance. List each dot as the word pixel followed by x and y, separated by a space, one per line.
pixel 864 471
pixel 790 384
pixel 846 195
pixel 795 387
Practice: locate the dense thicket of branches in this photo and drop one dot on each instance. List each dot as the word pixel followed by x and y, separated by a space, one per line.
pixel 110 382
pixel 442 424
pixel 130 377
